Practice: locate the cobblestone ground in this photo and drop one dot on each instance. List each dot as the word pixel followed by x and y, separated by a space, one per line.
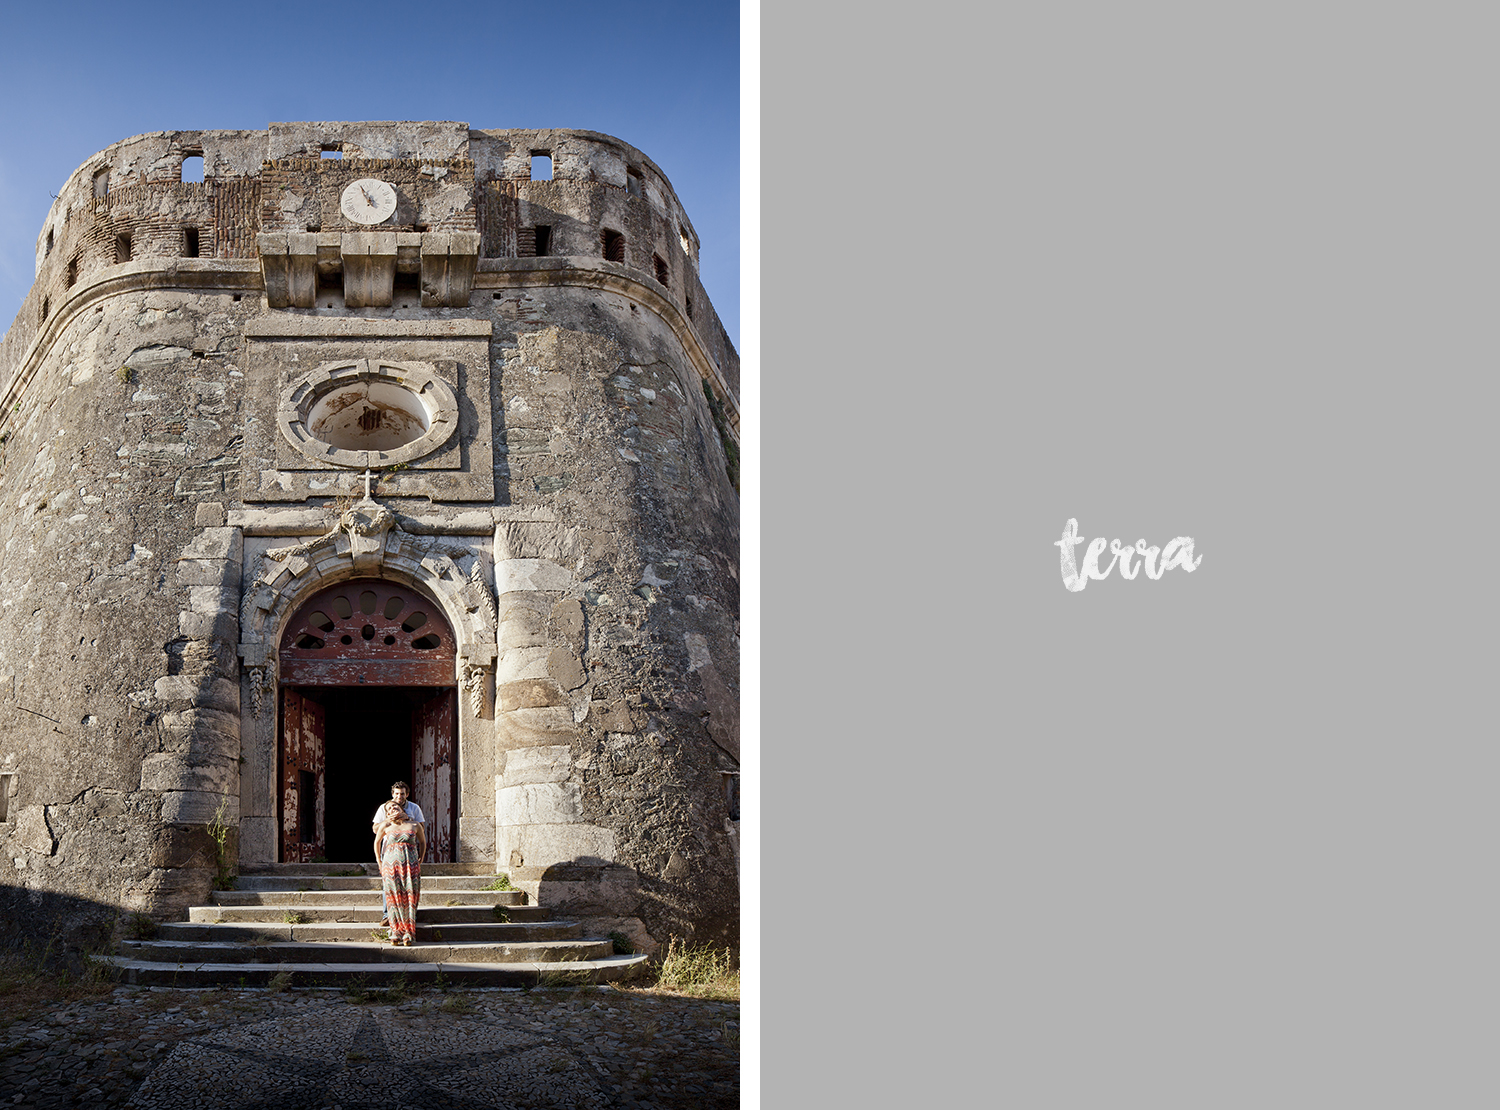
pixel 583 1048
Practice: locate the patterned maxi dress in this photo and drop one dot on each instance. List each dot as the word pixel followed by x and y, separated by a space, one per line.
pixel 401 879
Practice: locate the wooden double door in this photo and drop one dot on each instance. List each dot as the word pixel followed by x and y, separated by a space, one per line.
pixel 368 697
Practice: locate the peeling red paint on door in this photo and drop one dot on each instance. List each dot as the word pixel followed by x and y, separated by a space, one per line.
pixel 303 786
pixel 434 772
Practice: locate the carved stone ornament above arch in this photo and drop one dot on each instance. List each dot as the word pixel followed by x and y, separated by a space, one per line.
pixel 366 542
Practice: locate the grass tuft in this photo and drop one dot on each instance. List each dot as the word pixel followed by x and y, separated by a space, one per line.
pixel 699 972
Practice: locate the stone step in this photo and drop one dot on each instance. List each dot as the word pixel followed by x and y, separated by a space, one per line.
pixel 366 882
pixel 434 895
pixel 366 912
pixel 331 870
pixel 377 975
pixel 491 932
pixel 522 950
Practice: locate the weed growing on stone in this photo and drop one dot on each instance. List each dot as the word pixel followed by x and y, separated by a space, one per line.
pixel 218 831
pixel 699 972
pixel 501 913
pixel 622 943
pixel 355 990
pixel 281 981
pixel 457 1004
pixel 500 882
pixel 294 917
pixel 141 926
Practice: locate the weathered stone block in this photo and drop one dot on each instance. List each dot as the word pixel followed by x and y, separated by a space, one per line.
pixel 544 845
pixel 201 690
pixel 531 765
pixel 195 807
pixel 213 599
pixel 564 665
pixel 206 572
pixel 170 771
pixel 528 693
pixel 476 839
pixel 222 625
pixel 517 663
pixel 531 574
pixel 215 543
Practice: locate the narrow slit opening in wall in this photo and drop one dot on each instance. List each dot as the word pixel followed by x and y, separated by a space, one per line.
pixel 543 240
pixel 690 308
pixel 612 243
pixel 662 273
pixel 635 184
pixel 72 271
pixel 541 165
pixel 5 784
pixel 122 248
pixel 330 291
pixel 46 306
pixel 49 243
pixel 192 169
pixel 190 242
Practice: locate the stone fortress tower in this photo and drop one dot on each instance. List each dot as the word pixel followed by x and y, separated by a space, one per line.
pixel 370 456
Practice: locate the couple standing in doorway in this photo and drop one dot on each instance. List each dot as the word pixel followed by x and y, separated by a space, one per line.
pixel 400 847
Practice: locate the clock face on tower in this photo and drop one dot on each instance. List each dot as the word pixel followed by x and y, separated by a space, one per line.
pixel 368 201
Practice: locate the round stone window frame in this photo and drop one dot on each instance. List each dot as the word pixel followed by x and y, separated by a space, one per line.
pixel 420 379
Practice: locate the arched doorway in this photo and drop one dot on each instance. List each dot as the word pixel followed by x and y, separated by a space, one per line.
pixel 367 696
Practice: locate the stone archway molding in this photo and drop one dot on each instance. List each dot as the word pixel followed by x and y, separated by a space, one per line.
pixel 366 542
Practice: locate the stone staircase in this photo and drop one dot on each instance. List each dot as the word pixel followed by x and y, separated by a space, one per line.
pixel 322 928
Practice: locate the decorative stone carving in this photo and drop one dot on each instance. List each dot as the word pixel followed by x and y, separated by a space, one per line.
pixel 262 688
pixel 474 680
pixel 368 540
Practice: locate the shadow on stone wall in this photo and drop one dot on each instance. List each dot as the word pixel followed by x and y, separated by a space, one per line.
pixel 46 929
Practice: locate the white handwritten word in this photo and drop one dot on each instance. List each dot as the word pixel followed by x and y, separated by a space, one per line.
pixel 1177 553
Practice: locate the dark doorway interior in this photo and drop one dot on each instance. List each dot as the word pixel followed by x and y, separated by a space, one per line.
pixel 368 747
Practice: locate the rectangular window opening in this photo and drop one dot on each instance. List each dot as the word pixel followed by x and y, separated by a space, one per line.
pixel 192 168
pixel 46 306
pixel 543 240
pixel 541 165
pixel 635 184
pixel 190 242
pixel 101 182
pixel 407 291
pixel 49 243
pixel 72 271
pixel 662 273
pixel 331 150
pixel 122 248
pixel 330 289
pixel 5 786
pixel 690 308
pixel 613 245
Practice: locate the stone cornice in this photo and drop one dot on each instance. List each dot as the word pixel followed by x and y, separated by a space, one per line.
pixel 244 275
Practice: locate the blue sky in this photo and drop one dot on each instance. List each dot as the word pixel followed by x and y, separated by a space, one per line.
pixel 660 74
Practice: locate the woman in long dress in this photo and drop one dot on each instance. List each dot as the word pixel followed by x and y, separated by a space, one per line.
pixel 400 846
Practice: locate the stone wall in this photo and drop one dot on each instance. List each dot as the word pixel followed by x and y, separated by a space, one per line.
pixel 596 586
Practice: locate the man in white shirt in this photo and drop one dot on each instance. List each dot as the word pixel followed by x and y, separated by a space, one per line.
pixel 400 792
